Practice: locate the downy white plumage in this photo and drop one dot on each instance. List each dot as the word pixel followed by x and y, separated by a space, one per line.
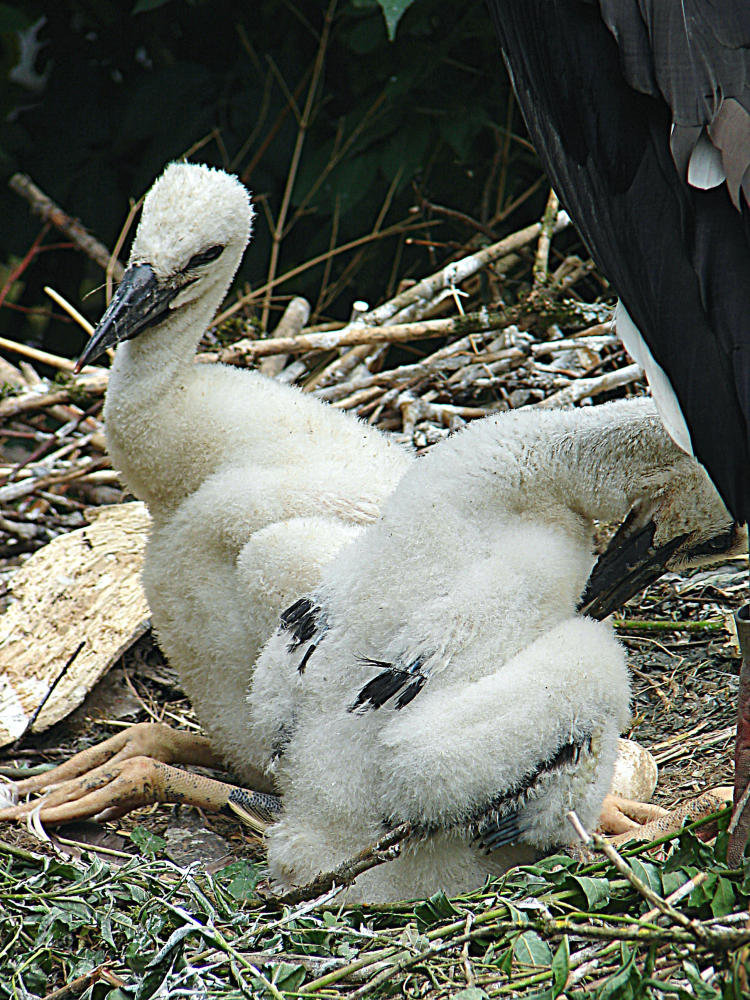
pixel 443 674
pixel 251 485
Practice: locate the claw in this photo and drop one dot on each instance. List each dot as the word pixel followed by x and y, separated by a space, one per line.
pixel 668 821
pixel 621 816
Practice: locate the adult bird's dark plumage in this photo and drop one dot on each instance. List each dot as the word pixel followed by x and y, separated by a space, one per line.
pixel 640 112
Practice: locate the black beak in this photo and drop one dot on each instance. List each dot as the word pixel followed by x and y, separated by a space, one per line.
pixel 139 302
pixel 631 562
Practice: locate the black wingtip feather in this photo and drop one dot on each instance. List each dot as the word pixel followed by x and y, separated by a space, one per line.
pixel 381 688
pixel 409 680
pixel 301 620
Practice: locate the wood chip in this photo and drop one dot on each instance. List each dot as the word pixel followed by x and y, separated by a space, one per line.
pixel 78 605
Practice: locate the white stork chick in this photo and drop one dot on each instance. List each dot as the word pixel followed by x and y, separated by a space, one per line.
pixel 444 676
pixel 251 485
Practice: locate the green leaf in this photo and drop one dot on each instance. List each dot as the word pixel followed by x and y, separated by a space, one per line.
pixel 671 881
pixel 288 977
pixel 596 890
pixel 617 987
pixel 470 993
pixel 105 929
pixel 701 989
pixel 560 967
pixel 704 892
pixel 516 915
pixel 434 909
pixel 392 12
pixel 724 898
pixel 530 949
pixel 240 879
pixel 689 851
pixel 146 842
pixel 647 872
pixel 505 962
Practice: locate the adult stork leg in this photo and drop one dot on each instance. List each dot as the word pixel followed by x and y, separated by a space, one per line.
pixel 739 828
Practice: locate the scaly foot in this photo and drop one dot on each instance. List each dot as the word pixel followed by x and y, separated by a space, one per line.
pixel 623 820
pixel 114 788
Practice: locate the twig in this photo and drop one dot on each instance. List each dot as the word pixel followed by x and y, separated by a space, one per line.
pixel 508 359
pixel 94 385
pixel 70 310
pixel 541 260
pixel 384 850
pixel 45 358
pixel 22 488
pixel 303 124
pixel 634 625
pixel 585 388
pixel 594 341
pixel 21 266
pixel 77 987
pixel 477 322
pixel 621 865
pixel 19 852
pixel 426 290
pixel 44 207
pixel 113 263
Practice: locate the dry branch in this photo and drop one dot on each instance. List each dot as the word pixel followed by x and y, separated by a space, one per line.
pixel 426 290
pixel 584 388
pixel 430 367
pixel 541 260
pixel 384 850
pixel 28 402
pixel 349 336
pixel 291 324
pixel 44 207
pixel 44 357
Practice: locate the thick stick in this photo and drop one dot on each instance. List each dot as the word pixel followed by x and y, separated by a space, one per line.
pixel 400 333
pixel 44 207
pixel 583 388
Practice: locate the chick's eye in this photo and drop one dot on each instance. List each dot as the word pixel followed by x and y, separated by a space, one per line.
pixel 204 257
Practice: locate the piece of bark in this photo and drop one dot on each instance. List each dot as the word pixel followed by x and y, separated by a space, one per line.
pixel 78 606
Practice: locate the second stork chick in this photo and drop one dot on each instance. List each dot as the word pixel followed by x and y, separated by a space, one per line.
pixel 444 674
pixel 251 485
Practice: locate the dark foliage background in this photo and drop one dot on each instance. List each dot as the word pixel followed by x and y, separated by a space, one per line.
pixel 98 95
